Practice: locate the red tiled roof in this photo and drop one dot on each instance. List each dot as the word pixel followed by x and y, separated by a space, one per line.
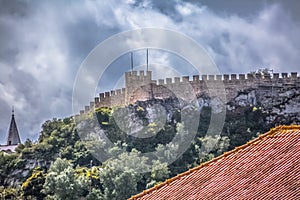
pixel 265 168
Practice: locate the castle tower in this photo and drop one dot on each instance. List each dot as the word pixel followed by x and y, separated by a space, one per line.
pixel 13 137
pixel 138 86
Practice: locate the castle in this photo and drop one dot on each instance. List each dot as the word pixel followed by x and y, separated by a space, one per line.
pixel 141 87
pixel 13 137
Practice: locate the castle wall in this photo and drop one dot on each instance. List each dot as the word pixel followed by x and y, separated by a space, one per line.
pixel 107 99
pixel 140 86
pixel 133 83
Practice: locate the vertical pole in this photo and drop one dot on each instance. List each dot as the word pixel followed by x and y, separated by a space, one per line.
pixel 147 59
pixel 131 55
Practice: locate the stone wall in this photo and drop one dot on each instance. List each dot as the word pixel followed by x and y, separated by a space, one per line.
pixel 133 83
pixel 140 86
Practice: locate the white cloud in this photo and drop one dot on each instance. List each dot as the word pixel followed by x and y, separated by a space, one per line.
pixel 42 51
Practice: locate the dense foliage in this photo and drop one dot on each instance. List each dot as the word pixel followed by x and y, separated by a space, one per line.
pixel 60 166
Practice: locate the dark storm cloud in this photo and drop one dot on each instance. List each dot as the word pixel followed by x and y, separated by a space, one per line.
pixel 10 11
pixel 42 46
pixel 18 8
pixel 43 43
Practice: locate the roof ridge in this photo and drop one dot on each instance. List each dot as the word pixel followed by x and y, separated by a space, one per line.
pixel 271 132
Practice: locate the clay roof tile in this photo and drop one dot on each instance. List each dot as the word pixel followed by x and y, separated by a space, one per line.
pixel 264 168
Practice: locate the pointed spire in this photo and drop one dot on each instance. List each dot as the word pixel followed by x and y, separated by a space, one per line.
pixel 13 137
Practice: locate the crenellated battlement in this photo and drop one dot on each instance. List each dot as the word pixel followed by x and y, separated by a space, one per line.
pixel 141 75
pixel 107 99
pixel 140 86
pixel 224 77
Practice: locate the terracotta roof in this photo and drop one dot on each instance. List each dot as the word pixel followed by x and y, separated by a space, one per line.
pixel 265 168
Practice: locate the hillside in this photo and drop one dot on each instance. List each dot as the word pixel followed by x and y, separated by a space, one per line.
pixel 34 170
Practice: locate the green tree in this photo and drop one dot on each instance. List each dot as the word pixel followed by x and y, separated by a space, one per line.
pixel 95 194
pixel 7 164
pixel 159 173
pixel 9 193
pixel 120 177
pixel 211 146
pixel 33 185
pixel 62 183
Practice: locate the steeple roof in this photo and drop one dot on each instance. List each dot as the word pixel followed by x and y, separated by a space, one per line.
pixel 13 137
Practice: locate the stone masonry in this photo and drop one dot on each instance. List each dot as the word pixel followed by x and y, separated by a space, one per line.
pixel 139 86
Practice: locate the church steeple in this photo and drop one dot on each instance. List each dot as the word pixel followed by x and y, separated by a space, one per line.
pixel 13 133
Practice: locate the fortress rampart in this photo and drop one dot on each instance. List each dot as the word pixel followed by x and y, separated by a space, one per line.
pixel 140 86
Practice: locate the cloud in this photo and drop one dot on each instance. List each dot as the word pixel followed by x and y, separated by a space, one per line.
pixel 43 44
pixel 242 44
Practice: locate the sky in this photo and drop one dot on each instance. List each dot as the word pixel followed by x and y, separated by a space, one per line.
pixel 43 44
